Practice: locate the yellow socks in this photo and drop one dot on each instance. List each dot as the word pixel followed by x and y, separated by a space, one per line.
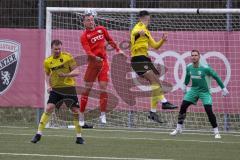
pixel 157 94
pixel 76 124
pixel 43 122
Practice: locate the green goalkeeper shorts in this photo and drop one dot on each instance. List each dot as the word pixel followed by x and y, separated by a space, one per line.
pixel 193 96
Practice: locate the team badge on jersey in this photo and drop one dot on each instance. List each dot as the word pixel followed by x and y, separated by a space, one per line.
pixel 88 36
pixel 199 73
pixel 99 31
pixel 9 59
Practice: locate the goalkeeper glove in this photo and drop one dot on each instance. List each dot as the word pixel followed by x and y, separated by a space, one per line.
pixel 225 92
pixel 184 88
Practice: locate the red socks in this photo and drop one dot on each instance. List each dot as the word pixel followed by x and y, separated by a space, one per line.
pixel 103 101
pixel 84 100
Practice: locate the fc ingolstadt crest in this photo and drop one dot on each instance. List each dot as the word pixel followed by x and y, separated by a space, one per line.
pixel 9 60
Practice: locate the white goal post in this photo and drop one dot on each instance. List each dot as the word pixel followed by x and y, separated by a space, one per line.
pixel 50 10
pixel 214 32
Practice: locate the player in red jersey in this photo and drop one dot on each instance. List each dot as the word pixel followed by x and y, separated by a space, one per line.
pixel 93 41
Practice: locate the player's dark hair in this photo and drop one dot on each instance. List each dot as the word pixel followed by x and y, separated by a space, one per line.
pixel 56 42
pixel 143 13
pixel 194 50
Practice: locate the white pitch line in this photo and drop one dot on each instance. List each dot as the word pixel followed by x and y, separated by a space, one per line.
pixel 164 139
pixel 12 127
pixel 167 131
pixel 147 130
pixel 128 138
pixel 81 157
pixel 154 131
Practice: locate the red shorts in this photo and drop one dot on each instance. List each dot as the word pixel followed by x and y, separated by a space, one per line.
pixel 97 70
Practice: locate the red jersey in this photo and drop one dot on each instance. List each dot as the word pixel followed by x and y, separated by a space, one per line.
pixel 93 42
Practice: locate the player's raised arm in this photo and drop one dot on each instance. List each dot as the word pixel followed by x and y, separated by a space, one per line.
pixel 111 41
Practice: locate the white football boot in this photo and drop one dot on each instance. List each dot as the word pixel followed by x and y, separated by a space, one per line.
pixel 217 136
pixel 176 131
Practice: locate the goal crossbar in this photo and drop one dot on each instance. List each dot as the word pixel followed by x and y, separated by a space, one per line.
pixel 152 10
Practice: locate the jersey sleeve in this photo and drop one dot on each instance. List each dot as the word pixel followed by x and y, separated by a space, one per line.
pixel 86 45
pixel 213 74
pixel 46 67
pixel 109 39
pixel 187 76
pixel 153 43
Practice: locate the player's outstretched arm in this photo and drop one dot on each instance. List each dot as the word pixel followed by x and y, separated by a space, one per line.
pixel 157 45
pixel 110 40
pixel 215 76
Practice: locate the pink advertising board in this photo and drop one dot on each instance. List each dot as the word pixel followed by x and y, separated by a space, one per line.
pixel 219 49
pixel 26 87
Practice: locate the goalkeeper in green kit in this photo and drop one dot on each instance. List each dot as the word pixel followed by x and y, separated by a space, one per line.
pixel 200 89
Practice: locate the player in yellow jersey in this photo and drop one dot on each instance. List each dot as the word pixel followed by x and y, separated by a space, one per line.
pixel 141 39
pixel 61 69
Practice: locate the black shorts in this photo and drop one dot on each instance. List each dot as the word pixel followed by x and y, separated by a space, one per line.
pixel 68 95
pixel 142 64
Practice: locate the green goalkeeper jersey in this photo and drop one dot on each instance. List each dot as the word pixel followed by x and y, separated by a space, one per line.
pixel 201 77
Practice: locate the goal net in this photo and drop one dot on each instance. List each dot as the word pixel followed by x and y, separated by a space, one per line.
pixel 214 32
